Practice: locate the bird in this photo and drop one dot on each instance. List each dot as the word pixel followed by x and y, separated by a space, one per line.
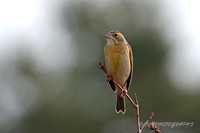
pixel 118 62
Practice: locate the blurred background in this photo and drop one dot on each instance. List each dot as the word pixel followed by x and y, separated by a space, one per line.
pixel 50 81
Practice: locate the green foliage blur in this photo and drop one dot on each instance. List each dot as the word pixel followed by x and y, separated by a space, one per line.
pixel 79 100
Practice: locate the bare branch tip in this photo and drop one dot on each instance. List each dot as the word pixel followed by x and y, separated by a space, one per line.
pixel 151 116
pixel 100 64
pixel 136 100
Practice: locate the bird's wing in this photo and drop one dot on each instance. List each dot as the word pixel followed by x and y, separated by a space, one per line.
pixel 128 81
pixel 112 85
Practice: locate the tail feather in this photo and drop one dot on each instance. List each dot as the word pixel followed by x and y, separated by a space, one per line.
pixel 120 105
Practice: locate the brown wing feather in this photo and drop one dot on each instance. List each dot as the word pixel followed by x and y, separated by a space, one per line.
pixel 128 81
pixel 112 85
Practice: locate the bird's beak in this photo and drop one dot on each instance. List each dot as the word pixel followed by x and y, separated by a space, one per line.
pixel 108 35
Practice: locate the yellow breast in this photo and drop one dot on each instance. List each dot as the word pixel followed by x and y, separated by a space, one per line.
pixel 114 53
pixel 115 58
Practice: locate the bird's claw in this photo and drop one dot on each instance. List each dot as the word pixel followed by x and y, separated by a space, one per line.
pixel 124 93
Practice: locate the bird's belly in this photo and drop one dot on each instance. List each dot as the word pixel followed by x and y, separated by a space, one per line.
pixel 118 66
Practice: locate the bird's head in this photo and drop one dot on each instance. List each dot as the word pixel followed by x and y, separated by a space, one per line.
pixel 115 37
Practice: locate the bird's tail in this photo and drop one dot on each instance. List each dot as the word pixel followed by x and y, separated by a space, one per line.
pixel 120 105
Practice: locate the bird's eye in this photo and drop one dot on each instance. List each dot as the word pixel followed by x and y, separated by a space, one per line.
pixel 115 35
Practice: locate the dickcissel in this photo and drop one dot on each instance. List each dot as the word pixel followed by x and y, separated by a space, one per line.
pixel 118 60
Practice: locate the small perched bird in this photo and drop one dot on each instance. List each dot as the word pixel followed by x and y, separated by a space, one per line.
pixel 118 60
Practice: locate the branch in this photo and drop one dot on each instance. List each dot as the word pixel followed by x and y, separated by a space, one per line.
pixel 135 104
pixel 147 121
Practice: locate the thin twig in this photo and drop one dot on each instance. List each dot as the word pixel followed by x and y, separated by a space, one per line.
pixel 129 98
pixel 137 114
pixel 151 116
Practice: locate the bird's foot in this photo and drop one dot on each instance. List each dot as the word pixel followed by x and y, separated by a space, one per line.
pixel 124 93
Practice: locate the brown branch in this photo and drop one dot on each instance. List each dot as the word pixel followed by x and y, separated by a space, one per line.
pixel 135 104
pixel 147 121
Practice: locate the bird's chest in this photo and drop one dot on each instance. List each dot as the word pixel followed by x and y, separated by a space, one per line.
pixel 117 60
